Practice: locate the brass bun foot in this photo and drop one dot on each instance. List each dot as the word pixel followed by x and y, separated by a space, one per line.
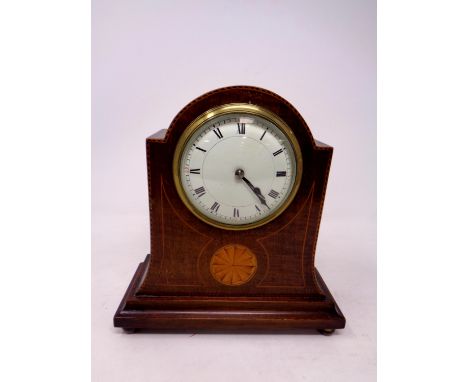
pixel 326 332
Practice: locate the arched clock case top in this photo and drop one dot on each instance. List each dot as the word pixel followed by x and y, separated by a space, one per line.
pixel 265 277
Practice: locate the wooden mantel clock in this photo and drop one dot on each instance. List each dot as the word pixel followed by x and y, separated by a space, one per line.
pixel 236 191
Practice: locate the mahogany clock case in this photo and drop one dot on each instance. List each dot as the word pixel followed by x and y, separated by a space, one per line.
pixel 174 290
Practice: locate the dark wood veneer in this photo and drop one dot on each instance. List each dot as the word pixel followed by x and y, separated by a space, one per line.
pixel 173 289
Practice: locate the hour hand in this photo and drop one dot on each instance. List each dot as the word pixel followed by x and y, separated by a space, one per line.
pixel 256 191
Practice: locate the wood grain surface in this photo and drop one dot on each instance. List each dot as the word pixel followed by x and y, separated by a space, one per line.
pixel 180 275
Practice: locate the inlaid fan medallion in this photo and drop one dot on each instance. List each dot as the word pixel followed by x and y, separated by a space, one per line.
pixel 233 265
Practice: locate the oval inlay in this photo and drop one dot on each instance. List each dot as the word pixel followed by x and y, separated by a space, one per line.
pixel 233 265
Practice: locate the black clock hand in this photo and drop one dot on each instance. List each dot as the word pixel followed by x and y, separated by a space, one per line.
pixel 240 174
pixel 256 191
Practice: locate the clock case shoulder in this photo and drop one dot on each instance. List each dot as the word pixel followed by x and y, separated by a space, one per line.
pixel 175 275
pixel 158 136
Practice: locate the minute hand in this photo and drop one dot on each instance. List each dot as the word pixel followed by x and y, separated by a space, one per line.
pixel 256 191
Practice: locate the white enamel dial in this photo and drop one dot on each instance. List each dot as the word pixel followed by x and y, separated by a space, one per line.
pixel 238 169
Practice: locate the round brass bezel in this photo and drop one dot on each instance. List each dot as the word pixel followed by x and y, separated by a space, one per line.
pixel 229 109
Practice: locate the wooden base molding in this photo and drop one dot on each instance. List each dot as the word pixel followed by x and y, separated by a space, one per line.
pixel 226 314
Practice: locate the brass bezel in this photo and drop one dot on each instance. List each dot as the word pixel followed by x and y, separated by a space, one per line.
pixel 228 109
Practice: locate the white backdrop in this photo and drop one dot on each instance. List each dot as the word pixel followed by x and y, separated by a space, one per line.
pixel 149 59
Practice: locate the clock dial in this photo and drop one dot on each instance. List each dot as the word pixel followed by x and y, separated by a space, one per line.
pixel 238 169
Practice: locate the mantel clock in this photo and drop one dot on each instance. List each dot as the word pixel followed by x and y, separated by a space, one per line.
pixel 236 190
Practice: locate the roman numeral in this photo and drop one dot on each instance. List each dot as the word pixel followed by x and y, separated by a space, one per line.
pixel 200 191
pixel 218 133
pixel 199 148
pixel 274 194
pixel 195 171
pixel 215 207
pixel 280 173
pixel 258 209
pixel 236 213
pixel 241 128
pixel 263 134
pixel 277 152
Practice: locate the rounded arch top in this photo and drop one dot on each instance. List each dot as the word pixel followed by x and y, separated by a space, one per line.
pixel 241 94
